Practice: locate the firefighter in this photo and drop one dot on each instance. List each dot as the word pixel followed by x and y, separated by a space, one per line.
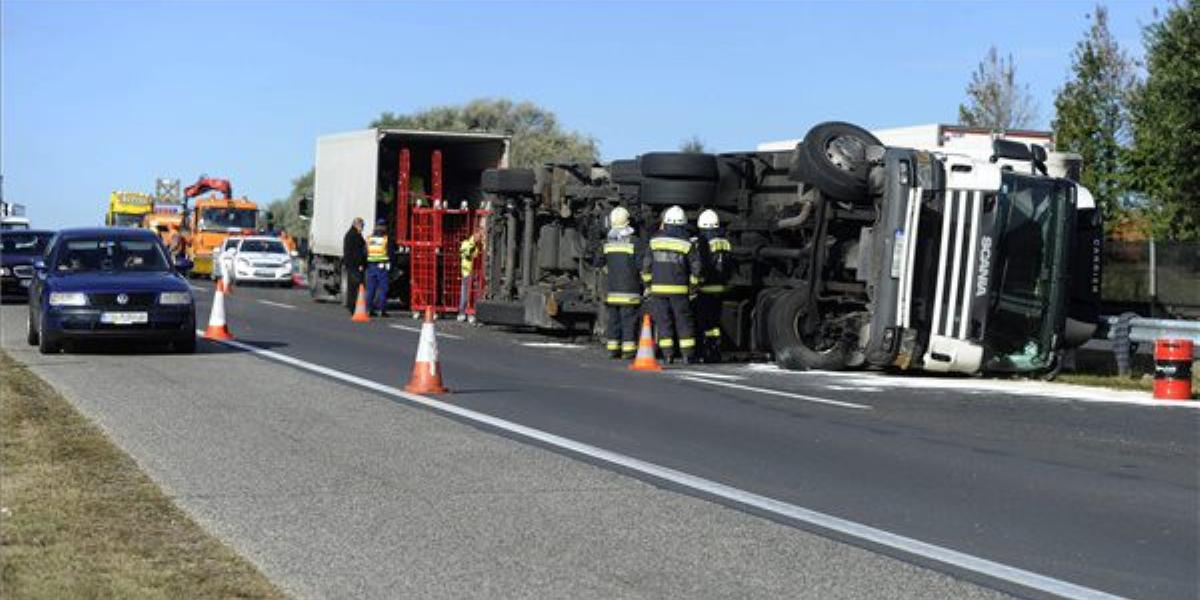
pixel 672 266
pixel 467 251
pixel 378 268
pixel 622 261
pixel 716 268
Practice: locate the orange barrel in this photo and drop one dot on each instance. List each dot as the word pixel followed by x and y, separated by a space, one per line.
pixel 1173 369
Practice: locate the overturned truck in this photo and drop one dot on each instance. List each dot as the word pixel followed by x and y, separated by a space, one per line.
pixel 848 253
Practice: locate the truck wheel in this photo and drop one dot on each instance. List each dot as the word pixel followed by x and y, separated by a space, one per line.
pixel 666 192
pixel 31 332
pixel 833 157
pixel 624 172
pixel 508 181
pixel 679 165
pixel 801 339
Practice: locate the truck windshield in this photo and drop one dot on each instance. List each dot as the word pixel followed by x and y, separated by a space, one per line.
pixel 114 255
pixel 227 218
pixel 1028 226
pixel 126 220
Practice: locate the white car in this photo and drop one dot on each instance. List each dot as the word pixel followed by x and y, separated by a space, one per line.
pixel 222 255
pixel 261 259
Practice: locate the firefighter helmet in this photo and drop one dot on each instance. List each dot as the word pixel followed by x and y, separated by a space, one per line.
pixel 708 220
pixel 619 217
pixel 674 216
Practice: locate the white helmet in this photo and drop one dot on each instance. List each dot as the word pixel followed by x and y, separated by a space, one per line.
pixel 674 216
pixel 708 220
pixel 619 217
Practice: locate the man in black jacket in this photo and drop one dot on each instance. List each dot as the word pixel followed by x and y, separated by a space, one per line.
pixel 354 261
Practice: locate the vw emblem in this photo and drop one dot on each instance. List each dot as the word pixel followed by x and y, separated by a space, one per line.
pixel 122 299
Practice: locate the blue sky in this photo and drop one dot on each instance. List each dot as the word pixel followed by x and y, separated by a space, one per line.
pixel 98 96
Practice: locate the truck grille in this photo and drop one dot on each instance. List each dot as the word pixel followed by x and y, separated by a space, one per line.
pixel 956 263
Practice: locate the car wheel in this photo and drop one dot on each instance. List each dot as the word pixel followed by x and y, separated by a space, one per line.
pixel 801 339
pixel 47 344
pixel 678 165
pixel 508 181
pixel 665 192
pixel 31 332
pixel 833 157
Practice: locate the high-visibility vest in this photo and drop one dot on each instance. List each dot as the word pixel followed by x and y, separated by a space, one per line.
pixel 377 249
pixel 672 266
pixel 466 254
pixel 622 259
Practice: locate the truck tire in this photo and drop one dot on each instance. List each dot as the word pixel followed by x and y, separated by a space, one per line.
pixel 679 165
pixel 666 192
pixel 788 317
pixel 624 172
pixel 833 157
pixel 508 181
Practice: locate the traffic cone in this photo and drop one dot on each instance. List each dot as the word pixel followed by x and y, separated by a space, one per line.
pixel 645 360
pixel 226 282
pixel 360 306
pixel 217 330
pixel 426 375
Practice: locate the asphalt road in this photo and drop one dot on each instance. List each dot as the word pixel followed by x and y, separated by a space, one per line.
pixel 338 492
pixel 1098 494
pixel 1073 484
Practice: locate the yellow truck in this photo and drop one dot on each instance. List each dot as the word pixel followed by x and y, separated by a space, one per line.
pixel 210 221
pixel 127 209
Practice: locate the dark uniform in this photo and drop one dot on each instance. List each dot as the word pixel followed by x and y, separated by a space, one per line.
pixel 622 260
pixel 354 264
pixel 673 267
pixel 716 269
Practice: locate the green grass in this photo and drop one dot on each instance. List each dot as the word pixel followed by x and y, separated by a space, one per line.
pixel 1142 379
pixel 79 519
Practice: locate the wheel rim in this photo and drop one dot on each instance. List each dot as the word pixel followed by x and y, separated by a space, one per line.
pixel 846 152
pixel 819 335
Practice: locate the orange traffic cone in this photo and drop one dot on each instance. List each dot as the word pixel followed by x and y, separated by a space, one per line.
pixel 360 306
pixel 426 375
pixel 226 282
pixel 645 361
pixel 217 330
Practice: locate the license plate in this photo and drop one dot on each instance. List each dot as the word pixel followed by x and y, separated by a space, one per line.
pixel 263 273
pixel 124 318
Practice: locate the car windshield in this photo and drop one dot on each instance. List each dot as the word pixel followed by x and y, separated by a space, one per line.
pixel 110 255
pixel 125 220
pixel 1029 210
pixel 230 244
pixel 270 246
pixel 23 243
pixel 227 218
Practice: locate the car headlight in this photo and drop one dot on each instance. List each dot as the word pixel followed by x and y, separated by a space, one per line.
pixel 68 299
pixel 175 298
pixel 5 271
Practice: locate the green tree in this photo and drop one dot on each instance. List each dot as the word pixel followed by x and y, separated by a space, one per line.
pixel 1165 111
pixel 1091 117
pixel 994 98
pixel 538 137
pixel 693 145
pixel 286 212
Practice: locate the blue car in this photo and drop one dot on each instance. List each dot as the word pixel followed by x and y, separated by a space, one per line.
pixel 110 283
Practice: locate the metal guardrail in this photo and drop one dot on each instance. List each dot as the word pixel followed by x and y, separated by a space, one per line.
pixel 1128 329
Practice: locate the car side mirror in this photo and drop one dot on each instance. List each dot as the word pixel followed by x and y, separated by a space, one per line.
pixel 183 264
pixel 39 265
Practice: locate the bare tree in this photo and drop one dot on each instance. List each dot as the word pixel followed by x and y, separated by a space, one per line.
pixel 994 98
pixel 693 145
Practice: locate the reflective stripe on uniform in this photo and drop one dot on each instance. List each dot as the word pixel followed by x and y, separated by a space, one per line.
pixel 618 248
pixel 714 332
pixel 713 289
pixel 671 244
pixel 666 343
pixel 694 279
pixel 687 342
pixel 628 346
pixel 623 298
pixel 666 288
pixel 613 344
pixel 377 249
pixel 646 277
pixel 719 245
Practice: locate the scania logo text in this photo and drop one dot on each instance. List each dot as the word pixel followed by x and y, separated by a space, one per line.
pixel 985 266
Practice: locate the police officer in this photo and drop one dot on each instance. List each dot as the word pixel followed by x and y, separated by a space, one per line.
pixel 622 261
pixel 378 265
pixel 716 269
pixel 673 268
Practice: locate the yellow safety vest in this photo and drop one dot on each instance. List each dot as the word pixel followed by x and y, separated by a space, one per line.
pixel 377 249
pixel 466 254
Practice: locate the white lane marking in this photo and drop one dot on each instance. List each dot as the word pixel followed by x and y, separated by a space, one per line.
pixel 552 345
pixel 713 375
pixel 1034 390
pixel 197 288
pixel 418 330
pixel 276 304
pixel 772 392
pixel 907 545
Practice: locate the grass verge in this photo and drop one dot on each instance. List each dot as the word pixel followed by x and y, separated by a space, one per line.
pixel 1142 379
pixel 79 519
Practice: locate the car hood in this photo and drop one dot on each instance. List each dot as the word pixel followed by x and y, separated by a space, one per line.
pixel 117 282
pixel 9 259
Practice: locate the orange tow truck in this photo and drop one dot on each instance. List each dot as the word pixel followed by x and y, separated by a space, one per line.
pixel 212 219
